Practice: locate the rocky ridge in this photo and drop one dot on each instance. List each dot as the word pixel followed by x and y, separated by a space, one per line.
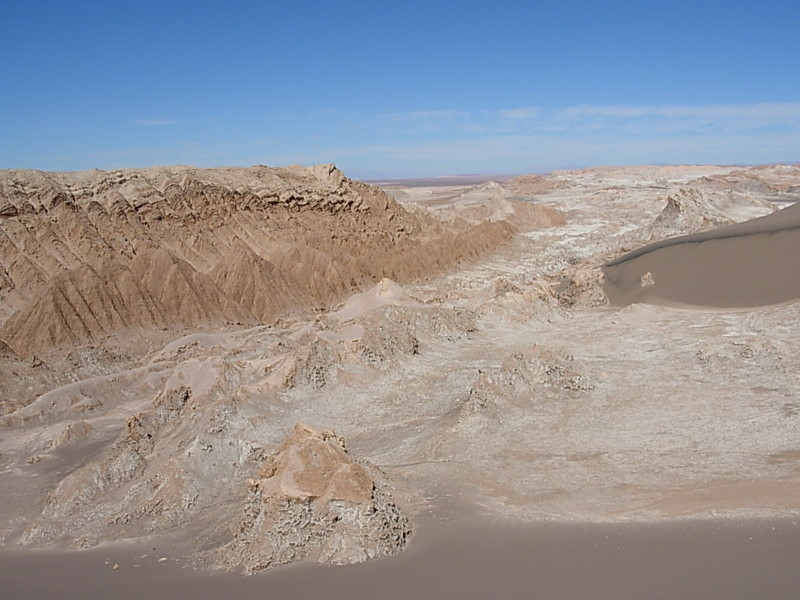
pixel 88 255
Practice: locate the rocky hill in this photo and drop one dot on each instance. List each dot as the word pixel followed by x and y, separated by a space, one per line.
pixel 92 254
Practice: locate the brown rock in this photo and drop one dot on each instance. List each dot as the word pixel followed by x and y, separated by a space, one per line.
pixel 88 255
pixel 313 501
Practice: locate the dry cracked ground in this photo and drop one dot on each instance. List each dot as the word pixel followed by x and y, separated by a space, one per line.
pixel 281 365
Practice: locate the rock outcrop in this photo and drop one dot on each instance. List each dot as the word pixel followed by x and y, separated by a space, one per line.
pixel 692 210
pixel 581 287
pixel 525 374
pixel 313 501
pixel 97 495
pixel 88 255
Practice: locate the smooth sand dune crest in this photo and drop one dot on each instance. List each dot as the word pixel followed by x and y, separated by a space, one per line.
pixel 751 264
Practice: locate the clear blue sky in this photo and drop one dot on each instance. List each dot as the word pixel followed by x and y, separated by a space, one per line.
pixel 398 88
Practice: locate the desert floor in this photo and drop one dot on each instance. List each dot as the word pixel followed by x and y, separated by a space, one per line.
pixel 545 443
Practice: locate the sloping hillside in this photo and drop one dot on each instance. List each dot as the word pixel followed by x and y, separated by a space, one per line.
pixel 87 255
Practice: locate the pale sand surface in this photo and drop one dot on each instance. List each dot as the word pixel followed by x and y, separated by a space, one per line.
pixel 745 265
pixel 708 559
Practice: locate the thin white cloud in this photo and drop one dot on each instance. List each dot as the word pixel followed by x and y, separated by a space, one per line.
pixel 439 114
pixel 420 122
pixel 516 139
pixel 621 118
pixel 519 153
pixel 750 113
pixel 424 116
pixel 158 122
pixel 529 112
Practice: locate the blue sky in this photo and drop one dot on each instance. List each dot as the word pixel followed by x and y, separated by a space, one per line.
pixel 387 89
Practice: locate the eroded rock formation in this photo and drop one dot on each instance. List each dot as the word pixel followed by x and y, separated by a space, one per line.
pixel 525 374
pixel 312 500
pixel 87 255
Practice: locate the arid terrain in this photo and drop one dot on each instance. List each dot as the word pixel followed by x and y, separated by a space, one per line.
pixel 268 366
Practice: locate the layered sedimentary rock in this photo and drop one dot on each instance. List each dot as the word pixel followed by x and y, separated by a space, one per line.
pixel 87 255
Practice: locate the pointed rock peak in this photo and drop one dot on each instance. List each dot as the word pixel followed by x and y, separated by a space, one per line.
pixel 313 501
pixel 387 288
pixel 314 465
pixel 327 172
pixel 385 293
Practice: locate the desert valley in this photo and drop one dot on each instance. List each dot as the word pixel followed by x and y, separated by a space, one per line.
pixel 252 368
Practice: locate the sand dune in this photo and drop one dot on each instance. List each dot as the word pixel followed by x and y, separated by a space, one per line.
pixel 745 265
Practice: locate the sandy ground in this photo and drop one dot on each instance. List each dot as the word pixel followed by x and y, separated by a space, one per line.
pixel 709 559
pixel 746 265
pixel 594 451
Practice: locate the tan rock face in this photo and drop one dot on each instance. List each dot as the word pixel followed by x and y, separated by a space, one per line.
pixel 314 465
pixel 314 501
pixel 87 255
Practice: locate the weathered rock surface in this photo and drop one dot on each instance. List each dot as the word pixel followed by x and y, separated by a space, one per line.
pixel 312 500
pixel 94 499
pixel 185 455
pixel 692 210
pixel 528 375
pixel 88 255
